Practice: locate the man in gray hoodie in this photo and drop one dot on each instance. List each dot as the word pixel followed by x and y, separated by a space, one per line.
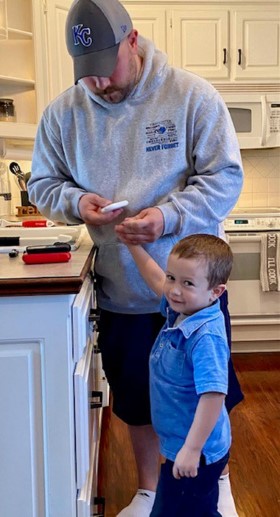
pixel 134 128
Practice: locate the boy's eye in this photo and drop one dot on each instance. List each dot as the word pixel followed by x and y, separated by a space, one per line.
pixel 169 277
pixel 188 283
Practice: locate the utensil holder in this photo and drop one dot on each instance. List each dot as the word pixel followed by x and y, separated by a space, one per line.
pixel 24 198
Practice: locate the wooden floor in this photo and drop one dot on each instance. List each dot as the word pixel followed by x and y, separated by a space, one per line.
pixel 255 453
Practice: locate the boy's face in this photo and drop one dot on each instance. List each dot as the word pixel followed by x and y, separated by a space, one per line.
pixel 186 286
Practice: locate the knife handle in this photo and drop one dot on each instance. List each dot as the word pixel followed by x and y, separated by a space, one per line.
pixel 45 258
pixel 51 248
pixel 9 241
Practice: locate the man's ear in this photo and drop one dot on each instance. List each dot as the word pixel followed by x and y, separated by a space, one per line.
pixel 217 291
pixel 133 39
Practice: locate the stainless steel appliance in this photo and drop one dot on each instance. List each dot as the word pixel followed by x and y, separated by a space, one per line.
pixel 255 313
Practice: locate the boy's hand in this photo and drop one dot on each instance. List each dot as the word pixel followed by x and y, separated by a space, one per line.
pixel 186 462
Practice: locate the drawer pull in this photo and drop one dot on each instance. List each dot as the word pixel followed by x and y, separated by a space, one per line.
pixel 94 317
pixel 225 56
pixel 239 56
pixel 98 504
pixel 95 400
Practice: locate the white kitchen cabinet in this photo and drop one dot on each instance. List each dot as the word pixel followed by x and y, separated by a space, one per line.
pixel 232 44
pixel 200 41
pixel 256 44
pixel 22 486
pixel 60 64
pixel 23 65
pixel 150 21
pixel 50 405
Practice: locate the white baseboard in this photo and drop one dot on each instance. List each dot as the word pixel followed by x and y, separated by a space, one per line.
pixel 255 346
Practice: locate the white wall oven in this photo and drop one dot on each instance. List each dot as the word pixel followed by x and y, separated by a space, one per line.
pixel 254 297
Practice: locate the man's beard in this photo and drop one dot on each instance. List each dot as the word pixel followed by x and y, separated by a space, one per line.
pixel 114 95
pixel 118 94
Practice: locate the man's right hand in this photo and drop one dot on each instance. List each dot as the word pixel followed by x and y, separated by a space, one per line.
pixel 90 210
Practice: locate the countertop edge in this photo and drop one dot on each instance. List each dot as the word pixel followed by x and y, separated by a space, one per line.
pixel 47 285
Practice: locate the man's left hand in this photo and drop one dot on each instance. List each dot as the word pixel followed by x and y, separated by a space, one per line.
pixel 147 226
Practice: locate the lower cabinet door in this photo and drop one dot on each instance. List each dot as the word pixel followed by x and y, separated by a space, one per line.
pixel 22 483
pixel 84 412
pixel 88 504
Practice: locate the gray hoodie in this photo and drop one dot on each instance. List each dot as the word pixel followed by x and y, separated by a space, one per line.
pixel 170 144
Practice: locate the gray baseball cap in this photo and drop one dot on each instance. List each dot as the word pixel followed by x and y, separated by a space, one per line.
pixel 94 30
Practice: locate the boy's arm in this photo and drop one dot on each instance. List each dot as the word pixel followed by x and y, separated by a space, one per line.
pixel 152 273
pixel 205 418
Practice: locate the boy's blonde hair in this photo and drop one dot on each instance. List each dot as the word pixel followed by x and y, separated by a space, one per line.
pixel 213 250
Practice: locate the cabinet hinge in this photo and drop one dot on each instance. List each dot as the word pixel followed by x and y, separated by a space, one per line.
pixel 170 23
pixel 45 6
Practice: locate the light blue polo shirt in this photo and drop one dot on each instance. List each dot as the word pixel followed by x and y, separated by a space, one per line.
pixel 186 361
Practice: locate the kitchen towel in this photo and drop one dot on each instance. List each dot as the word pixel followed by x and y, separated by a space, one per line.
pixel 270 262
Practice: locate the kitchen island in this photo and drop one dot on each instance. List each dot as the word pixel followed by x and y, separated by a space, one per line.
pixel 50 378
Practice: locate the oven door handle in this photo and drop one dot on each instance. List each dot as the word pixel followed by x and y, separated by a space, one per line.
pixel 254 320
pixel 245 238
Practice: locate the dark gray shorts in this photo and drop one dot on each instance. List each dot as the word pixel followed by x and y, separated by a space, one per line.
pixel 125 341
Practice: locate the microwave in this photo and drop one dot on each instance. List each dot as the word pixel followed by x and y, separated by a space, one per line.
pixel 256 118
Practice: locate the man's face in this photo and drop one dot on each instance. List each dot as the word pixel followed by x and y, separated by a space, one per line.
pixel 118 86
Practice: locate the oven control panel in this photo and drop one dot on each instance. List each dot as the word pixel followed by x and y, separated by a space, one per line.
pixel 249 223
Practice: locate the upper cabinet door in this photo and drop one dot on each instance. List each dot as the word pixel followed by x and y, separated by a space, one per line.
pixel 257 45
pixel 200 41
pixel 61 74
pixel 150 22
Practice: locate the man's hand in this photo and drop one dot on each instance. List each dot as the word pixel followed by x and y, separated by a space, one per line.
pixel 147 226
pixel 90 210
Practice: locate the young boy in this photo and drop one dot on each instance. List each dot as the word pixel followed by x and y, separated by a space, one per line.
pixel 188 374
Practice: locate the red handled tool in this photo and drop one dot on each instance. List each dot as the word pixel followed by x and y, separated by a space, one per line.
pixel 46 258
pixel 40 223
pixel 36 224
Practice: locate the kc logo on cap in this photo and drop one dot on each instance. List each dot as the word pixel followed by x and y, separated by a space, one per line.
pixel 94 31
pixel 81 35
